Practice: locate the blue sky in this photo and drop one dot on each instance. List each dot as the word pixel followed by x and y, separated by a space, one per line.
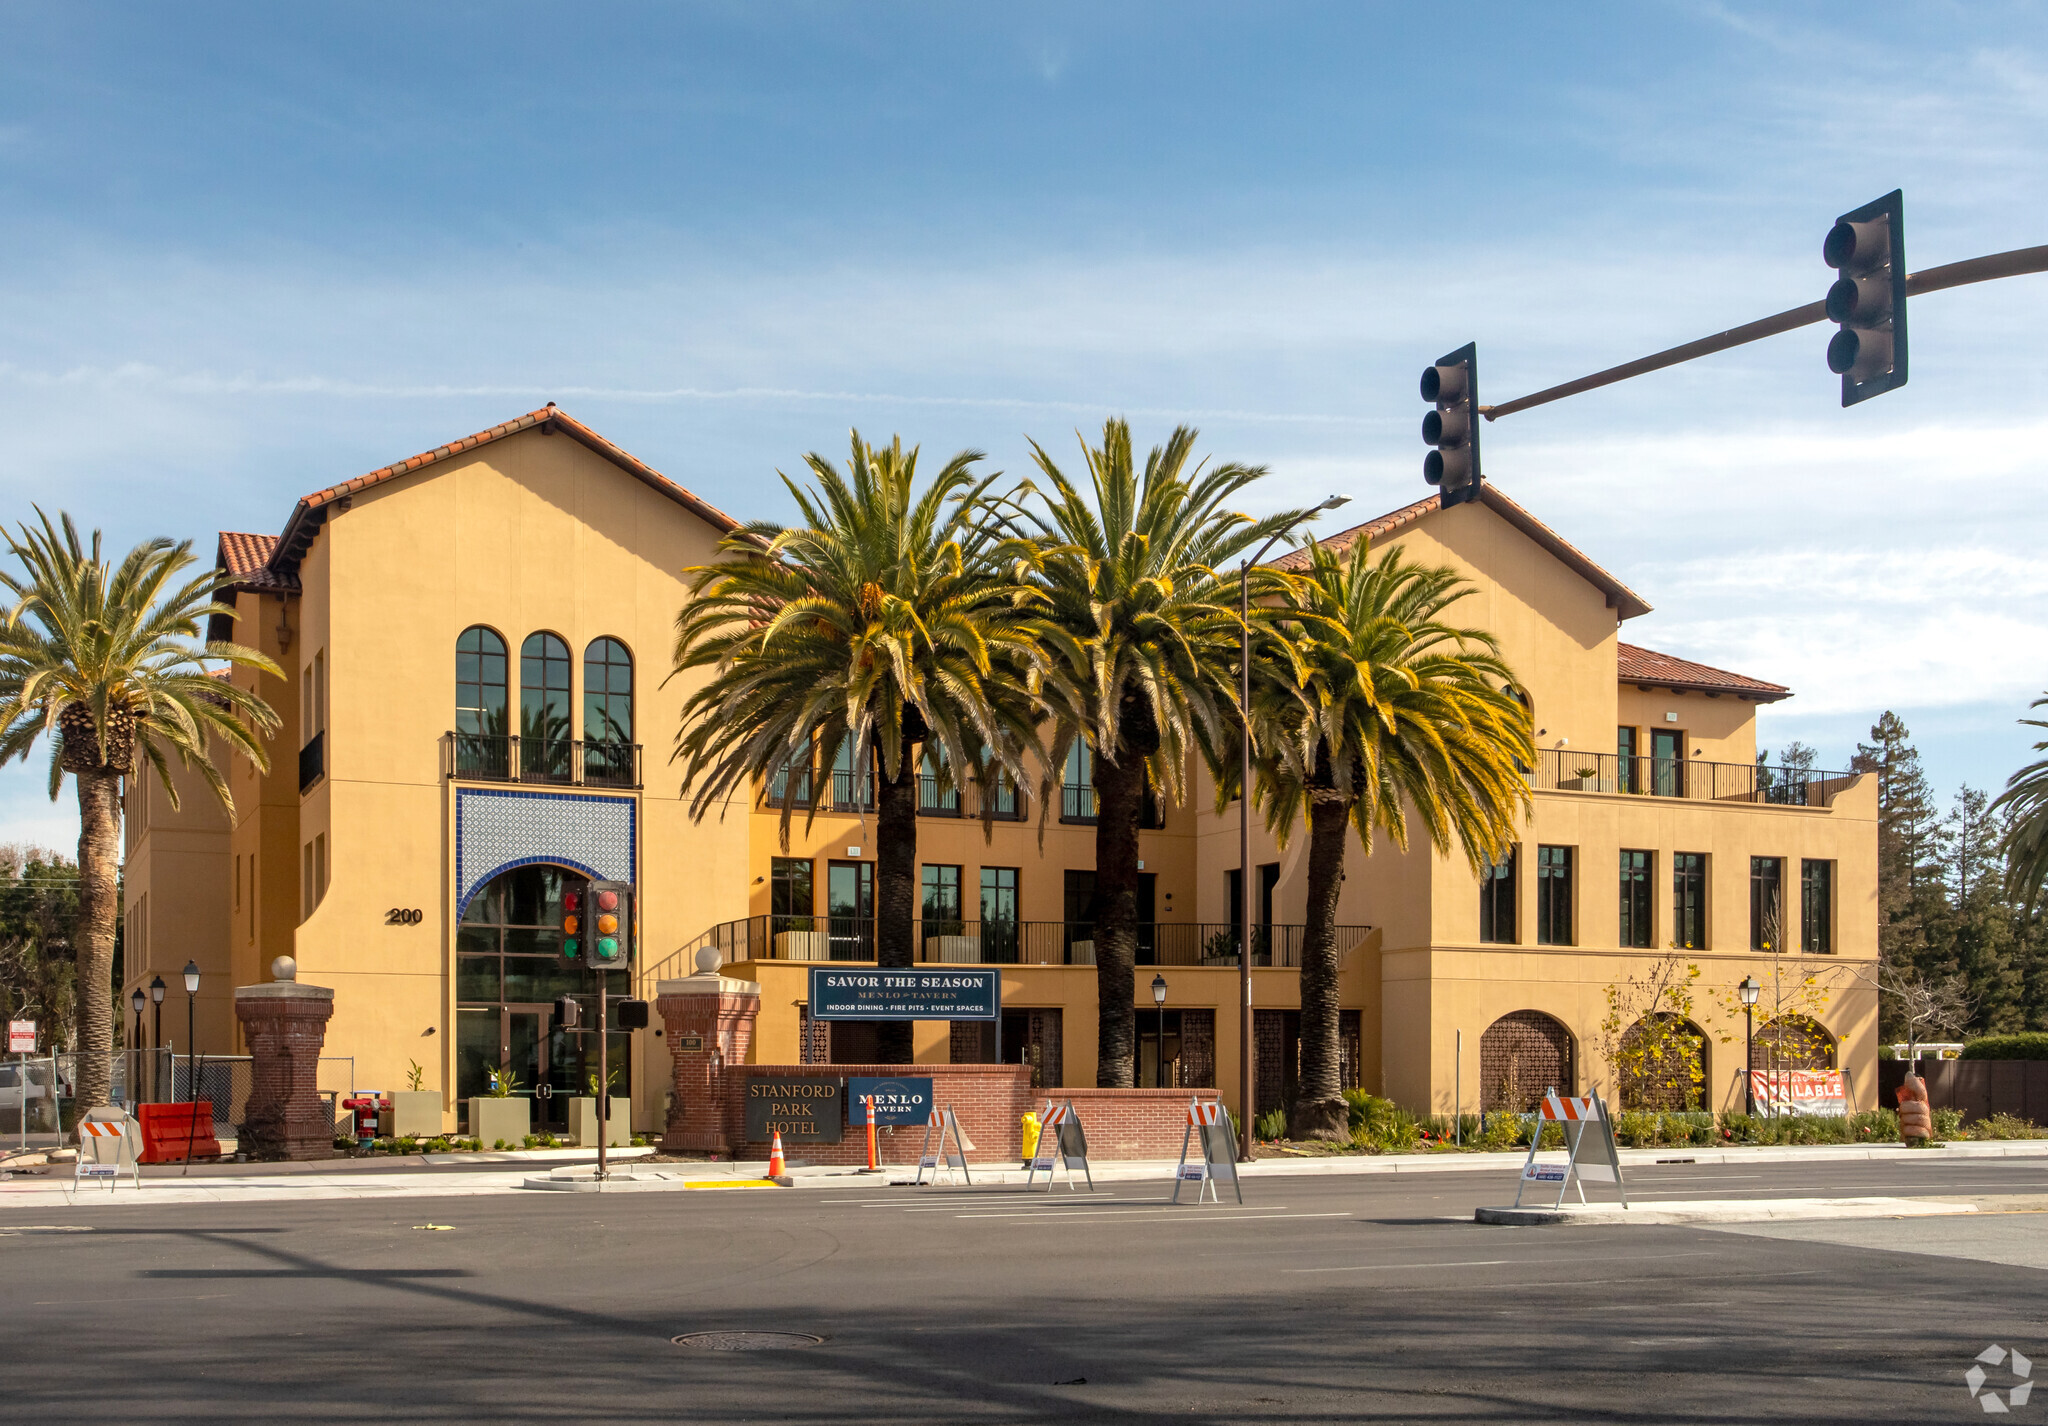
pixel 249 251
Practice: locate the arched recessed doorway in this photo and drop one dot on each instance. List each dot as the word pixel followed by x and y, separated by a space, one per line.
pixel 1663 1064
pixel 1521 1055
pixel 509 970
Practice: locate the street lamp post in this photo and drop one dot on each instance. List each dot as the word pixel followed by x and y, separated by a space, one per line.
pixel 136 1000
pixel 1159 1057
pixel 1244 827
pixel 191 1020
pixel 156 996
pixel 1749 990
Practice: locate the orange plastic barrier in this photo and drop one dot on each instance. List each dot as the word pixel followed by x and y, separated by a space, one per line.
pixel 172 1133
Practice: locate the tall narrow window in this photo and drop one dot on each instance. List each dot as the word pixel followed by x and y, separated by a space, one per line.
pixel 853 778
pixel 320 692
pixel 252 896
pixel 934 793
pixel 1554 896
pixel 1767 903
pixel 1637 869
pixel 999 914
pixel 792 781
pixel 941 900
pixel 482 747
pixel 319 868
pixel 608 714
pixel 789 895
pixel 1497 901
pixel 1689 901
pixel 1625 747
pixel 1817 907
pixel 544 709
pixel 1077 784
pixel 305 881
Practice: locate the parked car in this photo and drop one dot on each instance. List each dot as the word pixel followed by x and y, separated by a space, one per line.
pixel 12 1092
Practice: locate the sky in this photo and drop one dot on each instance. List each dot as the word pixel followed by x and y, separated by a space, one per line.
pixel 250 251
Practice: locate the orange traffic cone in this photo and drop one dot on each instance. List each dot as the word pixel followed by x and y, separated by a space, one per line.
pixel 776 1167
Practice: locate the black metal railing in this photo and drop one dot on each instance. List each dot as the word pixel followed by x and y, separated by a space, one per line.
pixel 488 757
pixel 1562 770
pixel 1003 803
pixel 313 760
pixel 953 942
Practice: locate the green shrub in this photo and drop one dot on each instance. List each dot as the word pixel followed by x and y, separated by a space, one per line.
pixel 500 1144
pixel 1381 1126
pixel 2007 1126
pixel 1948 1123
pixel 1636 1129
pixel 1271 1126
pixel 1886 1052
pixel 2027 1045
pixel 1874 1126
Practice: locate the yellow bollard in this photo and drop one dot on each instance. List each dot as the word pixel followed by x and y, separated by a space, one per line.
pixel 1030 1136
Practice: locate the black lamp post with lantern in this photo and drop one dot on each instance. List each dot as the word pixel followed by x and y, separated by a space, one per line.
pixel 156 998
pixel 136 1000
pixel 191 1033
pixel 1748 990
pixel 1159 1056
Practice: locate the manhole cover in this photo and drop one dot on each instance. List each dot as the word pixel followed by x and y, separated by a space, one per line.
pixel 746 1341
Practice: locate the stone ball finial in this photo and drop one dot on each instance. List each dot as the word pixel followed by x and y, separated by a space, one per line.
pixel 284 968
pixel 708 959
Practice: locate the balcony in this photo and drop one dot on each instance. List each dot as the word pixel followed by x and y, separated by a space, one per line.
pixel 1039 943
pixel 1562 770
pixel 1003 803
pixel 313 760
pixel 565 762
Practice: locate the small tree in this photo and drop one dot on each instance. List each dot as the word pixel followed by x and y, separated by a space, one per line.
pixel 1647 1038
pixel 1940 1004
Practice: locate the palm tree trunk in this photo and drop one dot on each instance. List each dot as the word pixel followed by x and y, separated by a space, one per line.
pixel 1319 1108
pixel 99 830
pixel 1119 791
pixel 896 891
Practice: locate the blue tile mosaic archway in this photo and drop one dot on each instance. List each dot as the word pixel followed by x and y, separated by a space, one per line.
pixel 497 829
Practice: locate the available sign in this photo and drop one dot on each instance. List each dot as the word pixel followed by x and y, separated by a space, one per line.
pixel 897 1101
pixel 1800 1092
pixel 872 993
pixel 21 1037
pixel 800 1110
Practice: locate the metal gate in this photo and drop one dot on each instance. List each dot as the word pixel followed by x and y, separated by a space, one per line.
pixel 1522 1055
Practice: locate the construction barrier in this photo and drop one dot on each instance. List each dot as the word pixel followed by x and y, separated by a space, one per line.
pixel 175 1133
pixel 1218 1159
pixel 1063 1143
pixel 1590 1152
pixel 109 1141
pixel 947 1123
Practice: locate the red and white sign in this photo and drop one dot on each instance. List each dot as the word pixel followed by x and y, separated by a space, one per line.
pixel 1818 1092
pixel 21 1037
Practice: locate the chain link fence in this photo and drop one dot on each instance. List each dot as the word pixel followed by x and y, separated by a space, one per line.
pixel 38 1093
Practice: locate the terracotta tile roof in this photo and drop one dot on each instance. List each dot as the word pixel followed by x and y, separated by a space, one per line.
pixel 245 554
pixel 1626 603
pixel 1638 665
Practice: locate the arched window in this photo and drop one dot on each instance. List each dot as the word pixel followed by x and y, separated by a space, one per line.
pixel 608 714
pixel 481 746
pixel 1522 1055
pixel 544 709
pixel 1663 1064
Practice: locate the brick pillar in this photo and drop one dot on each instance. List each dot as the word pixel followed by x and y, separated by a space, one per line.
pixel 708 1020
pixel 285 1024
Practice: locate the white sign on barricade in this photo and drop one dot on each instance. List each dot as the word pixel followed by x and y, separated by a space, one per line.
pixel 109 1141
pixel 943 1160
pixel 1590 1153
pixel 1062 1143
pixel 1218 1160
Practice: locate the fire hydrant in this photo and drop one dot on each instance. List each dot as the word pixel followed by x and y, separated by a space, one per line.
pixel 1916 1119
pixel 365 1107
pixel 1030 1136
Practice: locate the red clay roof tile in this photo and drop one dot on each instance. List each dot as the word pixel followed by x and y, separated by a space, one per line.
pixel 1634 664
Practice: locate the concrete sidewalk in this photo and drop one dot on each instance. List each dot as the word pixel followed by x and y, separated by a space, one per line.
pixel 1733 1210
pixel 467 1175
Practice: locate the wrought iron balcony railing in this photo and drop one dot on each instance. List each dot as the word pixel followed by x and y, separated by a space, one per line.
pixel 1562 770
pixel 939 940
pixel 575 762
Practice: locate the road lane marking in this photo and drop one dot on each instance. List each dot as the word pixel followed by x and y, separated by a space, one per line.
pixel 1505 1262
pixel 1169 1214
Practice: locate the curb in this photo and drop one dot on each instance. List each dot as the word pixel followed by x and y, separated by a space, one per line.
pixel 1720 1211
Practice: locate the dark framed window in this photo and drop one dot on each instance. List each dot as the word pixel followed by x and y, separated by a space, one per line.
pixel 1637 869
pixel 544 708
pixel 998 895
pixel 1077 784
pixel 941 898
pixel 608 713
pixel 481 692
pixel 1689 900
pixel 1554 896
pixel 937 795
pixel 1817 907
pixel 790 894
pixel 853 780
pixel 792 781
pixel 1625 748
pixel 1766 903
pixel 1497 901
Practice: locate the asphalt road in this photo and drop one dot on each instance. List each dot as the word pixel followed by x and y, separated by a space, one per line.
pixel 1322 1299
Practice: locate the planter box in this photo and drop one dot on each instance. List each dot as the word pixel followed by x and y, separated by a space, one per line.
pixel 415 1113
pixel 583 1122
pixel 493 1119
pixel 803 946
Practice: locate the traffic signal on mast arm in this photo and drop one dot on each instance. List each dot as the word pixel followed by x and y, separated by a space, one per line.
pixel 609 933
pixel 572 923
pixel 1453 427
pixel 1868 248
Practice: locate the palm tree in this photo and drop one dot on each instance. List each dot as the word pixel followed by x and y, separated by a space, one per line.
pixel 1399 710
pixel 103 656
pixel 2025 843
pixel 883 622
pixel 1142 636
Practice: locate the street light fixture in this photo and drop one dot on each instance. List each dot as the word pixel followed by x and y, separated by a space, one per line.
pixel 191 1018
pixel 1748 990
pixel 1159 1058
pixel 156 996
pixel 1244 827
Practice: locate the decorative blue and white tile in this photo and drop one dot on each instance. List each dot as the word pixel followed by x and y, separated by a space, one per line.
pixel 497 829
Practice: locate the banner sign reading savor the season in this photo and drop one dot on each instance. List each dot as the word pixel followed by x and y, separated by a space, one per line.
pixel 1799 1092
pixel 871 993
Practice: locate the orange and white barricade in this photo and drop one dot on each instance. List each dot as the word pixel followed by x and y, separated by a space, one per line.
pixel 947 1123
pixel 1218 1159
pixel 1590 1152
pixel 1062 1143
pixel 109 1142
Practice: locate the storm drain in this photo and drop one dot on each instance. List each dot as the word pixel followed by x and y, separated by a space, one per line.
pixel 746 1341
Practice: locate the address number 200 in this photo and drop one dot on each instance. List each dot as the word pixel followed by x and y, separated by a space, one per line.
pixel 404 916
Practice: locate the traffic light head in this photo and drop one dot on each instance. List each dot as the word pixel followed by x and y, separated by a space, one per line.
pixel 1868 301
pixel 572 924
pixel 610 923
pixel 568 1013
pixel 1452 385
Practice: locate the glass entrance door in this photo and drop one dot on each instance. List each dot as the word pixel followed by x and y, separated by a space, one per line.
pixel 850 910
pixel 1667 764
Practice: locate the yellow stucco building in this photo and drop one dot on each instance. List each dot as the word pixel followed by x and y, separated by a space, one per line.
pixel 478 716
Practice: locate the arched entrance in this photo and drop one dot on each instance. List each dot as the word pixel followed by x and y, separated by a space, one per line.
pixel 1521 1055
pixel 1663 1064
pixel 509 970
pixel 1792 1042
